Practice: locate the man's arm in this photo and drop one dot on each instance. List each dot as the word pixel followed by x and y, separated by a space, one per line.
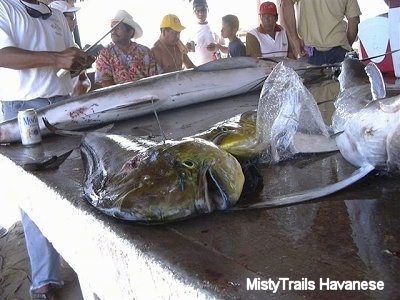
pixel 253 48
pixel 187 62
pixel 107 82
pixel 289 23
pixel 18 59
pixel 352 29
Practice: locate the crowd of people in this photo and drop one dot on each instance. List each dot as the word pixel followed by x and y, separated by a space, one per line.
pixel 323 31
pixel 36 42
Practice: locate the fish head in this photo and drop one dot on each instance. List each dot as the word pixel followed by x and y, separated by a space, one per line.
pixel 173 181
pixel 237 135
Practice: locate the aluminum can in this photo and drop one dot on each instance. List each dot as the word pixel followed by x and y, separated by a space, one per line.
pixel 29 127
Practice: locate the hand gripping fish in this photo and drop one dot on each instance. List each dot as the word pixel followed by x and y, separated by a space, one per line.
pixel 140 180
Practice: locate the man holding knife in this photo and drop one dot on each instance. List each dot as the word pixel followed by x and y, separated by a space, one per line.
pixel 35 43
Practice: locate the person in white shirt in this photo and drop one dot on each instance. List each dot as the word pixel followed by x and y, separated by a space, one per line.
pixel 269 39
pixel 203 36
pixel 35 43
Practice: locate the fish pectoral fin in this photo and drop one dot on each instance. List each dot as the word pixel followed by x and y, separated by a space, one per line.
pixel 312 193
pixel 137 103
pixel 390 105
pixel 56 130
pixel 313 143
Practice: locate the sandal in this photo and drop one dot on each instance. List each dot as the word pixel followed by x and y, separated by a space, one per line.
pixel 47 292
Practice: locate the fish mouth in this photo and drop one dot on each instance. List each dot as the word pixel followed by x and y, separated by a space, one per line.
pixel 221 189
pixel 215 195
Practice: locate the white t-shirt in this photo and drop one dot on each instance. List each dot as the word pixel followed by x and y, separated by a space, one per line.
pixel 272 47
pixel 202 35
pixel 18 29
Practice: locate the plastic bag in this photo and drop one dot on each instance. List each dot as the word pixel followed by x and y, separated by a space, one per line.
pixel 286 109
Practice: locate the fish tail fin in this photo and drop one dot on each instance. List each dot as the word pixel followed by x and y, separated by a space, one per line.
pixel 48 164
pixel 310 194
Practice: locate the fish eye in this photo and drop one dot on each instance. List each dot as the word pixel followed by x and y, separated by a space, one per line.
pixel 188 163
pixel 224 129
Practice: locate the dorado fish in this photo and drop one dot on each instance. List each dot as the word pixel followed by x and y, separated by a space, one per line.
pixel 155 182
pixel 367 123
pixel 214 80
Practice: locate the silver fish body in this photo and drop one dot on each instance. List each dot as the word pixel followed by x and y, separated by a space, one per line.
pixel 140 180
pixel 371 135
pixel 366 121
pixel 215 80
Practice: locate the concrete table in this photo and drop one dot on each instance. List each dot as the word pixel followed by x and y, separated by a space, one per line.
pixel 350 236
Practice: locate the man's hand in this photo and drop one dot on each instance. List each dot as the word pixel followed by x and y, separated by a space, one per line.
pixel 298 48
pixel 213 47
pixel 73 59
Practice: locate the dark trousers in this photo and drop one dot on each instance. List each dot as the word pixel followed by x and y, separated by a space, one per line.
pixel 334 55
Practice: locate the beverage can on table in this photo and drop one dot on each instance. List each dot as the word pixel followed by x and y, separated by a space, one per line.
pixel 29 127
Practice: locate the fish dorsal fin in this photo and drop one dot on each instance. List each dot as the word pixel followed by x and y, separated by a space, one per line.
pixel 228 63
pixel 378 89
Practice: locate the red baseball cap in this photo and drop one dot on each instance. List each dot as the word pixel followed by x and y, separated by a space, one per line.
pixel 268 8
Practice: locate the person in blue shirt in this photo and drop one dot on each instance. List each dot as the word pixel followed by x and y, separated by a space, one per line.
pixel 230 26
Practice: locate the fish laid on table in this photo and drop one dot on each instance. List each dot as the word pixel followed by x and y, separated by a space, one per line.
pixel 140 180
pixel 214 80
pixel 367 122
pixel 287 122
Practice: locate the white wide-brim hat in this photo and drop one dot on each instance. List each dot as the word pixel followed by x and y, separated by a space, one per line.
pixel 127 19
